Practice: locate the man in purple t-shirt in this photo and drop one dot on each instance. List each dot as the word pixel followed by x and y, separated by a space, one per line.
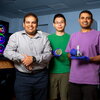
pixel 84 74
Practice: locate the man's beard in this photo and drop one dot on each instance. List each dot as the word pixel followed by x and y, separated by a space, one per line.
pixel 32 33
pixel 88 27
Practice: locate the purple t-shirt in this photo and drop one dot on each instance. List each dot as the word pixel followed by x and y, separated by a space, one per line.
pixel 83 72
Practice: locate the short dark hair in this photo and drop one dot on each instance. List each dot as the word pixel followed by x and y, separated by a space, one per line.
pixel 30 14
pixel 86 11
pixel 58 15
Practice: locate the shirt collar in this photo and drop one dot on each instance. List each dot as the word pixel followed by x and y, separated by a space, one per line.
pixel 38 34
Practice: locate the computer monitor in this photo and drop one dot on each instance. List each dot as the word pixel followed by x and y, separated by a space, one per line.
pixel 4 36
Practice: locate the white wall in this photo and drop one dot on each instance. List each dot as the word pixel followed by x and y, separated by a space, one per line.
pixel 71 17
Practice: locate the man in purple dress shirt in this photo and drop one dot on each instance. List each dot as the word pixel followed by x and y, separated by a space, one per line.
pixel 84 74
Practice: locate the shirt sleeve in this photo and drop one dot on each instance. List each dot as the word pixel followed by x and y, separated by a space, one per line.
pixel 99 44
pixel 46 55
pixel 68 48
pixel 11 49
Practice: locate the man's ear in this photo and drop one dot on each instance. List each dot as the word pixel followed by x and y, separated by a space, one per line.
pixel 92 21
pixel 23 24
pixel 65 23
pixel 53 24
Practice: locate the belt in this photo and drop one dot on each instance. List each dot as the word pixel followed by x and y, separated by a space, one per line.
pixel 34 71
pixel 38 71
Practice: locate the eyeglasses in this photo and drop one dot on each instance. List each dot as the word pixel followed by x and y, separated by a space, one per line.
pixel 34 22
pixel 59 22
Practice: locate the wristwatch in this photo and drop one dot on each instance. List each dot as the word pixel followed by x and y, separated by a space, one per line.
pixel 34 59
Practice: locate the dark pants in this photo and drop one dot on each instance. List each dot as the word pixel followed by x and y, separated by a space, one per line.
pixel 7 77
pixel 82 92
pixel 31 86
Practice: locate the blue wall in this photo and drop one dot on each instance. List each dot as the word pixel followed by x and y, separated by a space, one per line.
pixel 72 21
pixel 71 17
